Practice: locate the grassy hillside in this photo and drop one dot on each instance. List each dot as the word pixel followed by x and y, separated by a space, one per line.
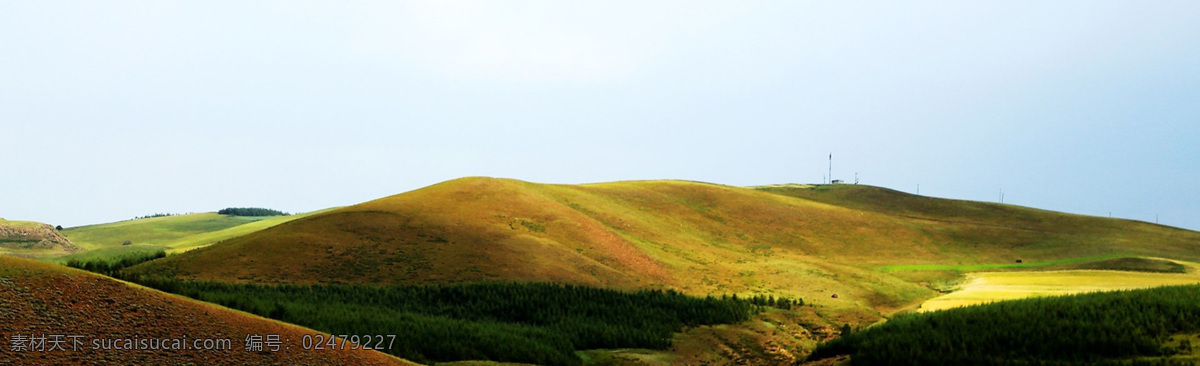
pixel 171 233
pixel 701 238
pixel 975 233
pixel 42 299
pixel 697 237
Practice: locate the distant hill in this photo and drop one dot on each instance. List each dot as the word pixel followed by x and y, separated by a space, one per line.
pixel 42 299
pixel 33 239
pixel 174 233
pixel 972 232
pixel 812 242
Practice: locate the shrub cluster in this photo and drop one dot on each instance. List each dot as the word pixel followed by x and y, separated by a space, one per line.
pixel 150 216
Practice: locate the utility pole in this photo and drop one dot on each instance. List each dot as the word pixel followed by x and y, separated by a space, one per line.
pixel 1001 195
pixel 831 167
pixel 855 178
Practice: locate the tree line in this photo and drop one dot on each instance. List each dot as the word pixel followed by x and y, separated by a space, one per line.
pixel 153 215
pixel 1101 328
pixel 511 322
pixel 535 323
pixel 251 211
pixel 112 267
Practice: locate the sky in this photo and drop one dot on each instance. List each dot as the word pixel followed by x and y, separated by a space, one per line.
pixel 111 110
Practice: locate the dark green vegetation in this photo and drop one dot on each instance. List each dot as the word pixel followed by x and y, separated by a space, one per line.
pixel 1133 264
pixel 251 211
pixel 1100 328
pixel 26 242
pixel 1023 265
pixel 151 216
pixel 534 323
pixel 111 267
pixel 782 303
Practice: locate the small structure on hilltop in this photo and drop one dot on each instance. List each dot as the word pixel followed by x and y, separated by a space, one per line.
pixel 838 181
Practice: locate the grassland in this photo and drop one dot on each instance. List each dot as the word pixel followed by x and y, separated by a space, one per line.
pixel 38 298
pixel 878 250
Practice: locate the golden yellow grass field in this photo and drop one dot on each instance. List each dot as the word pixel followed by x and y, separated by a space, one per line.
pixel 986 287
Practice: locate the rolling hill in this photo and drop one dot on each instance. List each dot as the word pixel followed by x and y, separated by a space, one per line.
pixel 812 242
pixel 45 300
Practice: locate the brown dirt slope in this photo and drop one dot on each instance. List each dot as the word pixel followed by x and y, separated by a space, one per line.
pixel 33 239
pixel 41 299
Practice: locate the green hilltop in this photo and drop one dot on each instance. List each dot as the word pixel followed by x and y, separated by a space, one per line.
pixel 174 233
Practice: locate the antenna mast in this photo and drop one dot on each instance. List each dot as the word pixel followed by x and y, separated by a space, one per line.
pixel 830 167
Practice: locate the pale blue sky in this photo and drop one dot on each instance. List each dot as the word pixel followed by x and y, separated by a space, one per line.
pixel 111 110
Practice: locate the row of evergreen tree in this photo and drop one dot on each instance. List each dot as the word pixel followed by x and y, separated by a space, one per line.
pixel 1099 328
pixel 512 322
pixel 112 267
pixel 778 303
pixel 251 211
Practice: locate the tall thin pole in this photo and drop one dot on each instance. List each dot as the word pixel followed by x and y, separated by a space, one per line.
pixel 831 167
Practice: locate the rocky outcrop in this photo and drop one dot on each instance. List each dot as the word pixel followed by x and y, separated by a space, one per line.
pixel 33 236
